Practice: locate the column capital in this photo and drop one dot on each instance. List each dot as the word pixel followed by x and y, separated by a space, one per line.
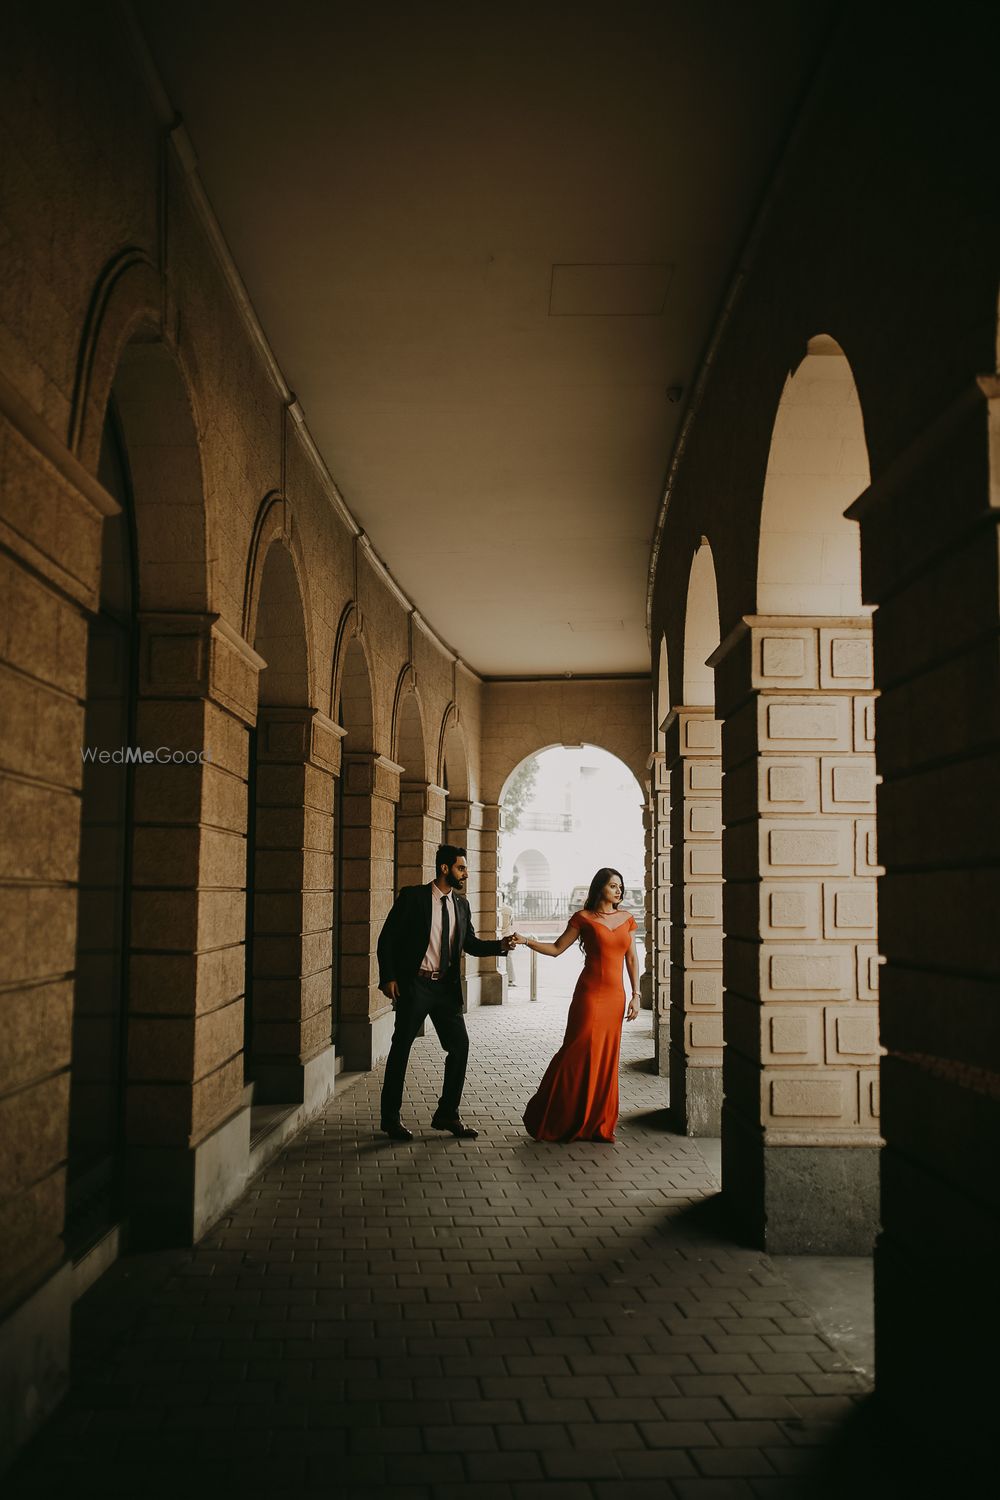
pixel 368 773
pixel 492 817
pixel 198 655
pixel 464 814
pixel 431 799
pixel 299 736
pixel 691 730
pixel 793 654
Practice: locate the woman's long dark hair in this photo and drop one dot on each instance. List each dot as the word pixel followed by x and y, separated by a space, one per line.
pixel 600 880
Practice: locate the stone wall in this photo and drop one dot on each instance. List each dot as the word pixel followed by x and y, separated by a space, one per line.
pixel 116 294
pixel 841 252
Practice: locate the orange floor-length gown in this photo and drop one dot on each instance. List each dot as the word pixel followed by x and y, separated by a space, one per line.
pixel 577 1100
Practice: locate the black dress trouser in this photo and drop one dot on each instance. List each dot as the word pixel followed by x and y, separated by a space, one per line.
pixel 419 1000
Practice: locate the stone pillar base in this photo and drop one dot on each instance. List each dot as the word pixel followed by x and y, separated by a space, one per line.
pixel 177 1193
pixel 800 1200
pixel 661 1046
pixel 697 1109
pixel 287 1082
pixel 492 987
pixel 363 1041
pixel 34 1361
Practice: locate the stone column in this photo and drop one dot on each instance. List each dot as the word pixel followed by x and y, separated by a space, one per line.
pixel 801 1134
pixel 465 827
pixel 419 829
pixel 292 1057
pixel 493 972
pixel 370 794
pixel 930 528
pixel 188 1120
pixel 693 746
pixel 51 513
pixel 657 973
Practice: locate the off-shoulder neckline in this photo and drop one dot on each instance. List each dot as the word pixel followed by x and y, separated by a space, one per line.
pixel 600 917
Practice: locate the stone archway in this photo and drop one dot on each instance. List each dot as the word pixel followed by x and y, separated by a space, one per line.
pixel 692 751
pixel 795 685
pixel 293 758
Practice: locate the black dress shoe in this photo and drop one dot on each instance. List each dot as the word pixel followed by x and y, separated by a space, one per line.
pixel 455 1125
pixel 395 1130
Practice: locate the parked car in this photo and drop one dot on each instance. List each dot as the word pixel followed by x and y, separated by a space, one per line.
pixel 634 902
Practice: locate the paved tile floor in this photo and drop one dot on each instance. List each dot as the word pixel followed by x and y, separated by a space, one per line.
pixel 497 1320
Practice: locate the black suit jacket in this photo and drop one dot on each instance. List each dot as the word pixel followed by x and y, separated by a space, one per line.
pixel 406 932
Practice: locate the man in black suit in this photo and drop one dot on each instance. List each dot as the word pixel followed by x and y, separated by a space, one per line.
pixel 419 955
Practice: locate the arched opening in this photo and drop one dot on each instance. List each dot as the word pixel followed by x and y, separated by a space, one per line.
pixel 701 630
pixel 165 468
pixel 454 779
pixel 567 811
pixel 809 561
pixel 100 999
pixel 414 833
pixel 695 810
pixel 532 873
pixel 154 558
pixel 276 835
pixel 409 750
pixel 801 1134
pixel 355 705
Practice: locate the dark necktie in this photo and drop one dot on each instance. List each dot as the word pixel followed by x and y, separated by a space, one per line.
pixel 445 939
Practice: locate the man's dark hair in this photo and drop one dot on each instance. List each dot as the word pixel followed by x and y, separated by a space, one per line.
pixel 446 855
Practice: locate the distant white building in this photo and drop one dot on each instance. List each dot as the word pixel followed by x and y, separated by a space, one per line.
pixel 585 812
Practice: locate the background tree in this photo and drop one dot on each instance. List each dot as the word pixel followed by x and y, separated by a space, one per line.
pixel 520 790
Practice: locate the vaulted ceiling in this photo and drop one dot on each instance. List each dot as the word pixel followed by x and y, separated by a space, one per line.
pixel 486 242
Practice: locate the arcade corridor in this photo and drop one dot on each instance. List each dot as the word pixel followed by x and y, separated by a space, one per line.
pixel 495 1320
pixel 389 393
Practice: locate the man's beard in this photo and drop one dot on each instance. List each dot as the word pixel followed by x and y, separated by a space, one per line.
pixel 455 881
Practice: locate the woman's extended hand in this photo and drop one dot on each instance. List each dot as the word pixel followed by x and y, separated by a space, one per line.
pixel 633 1008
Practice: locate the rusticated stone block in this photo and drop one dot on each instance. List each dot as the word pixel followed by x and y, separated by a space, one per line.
pixel 845 658
pixel 816 846
pixel 868 962
pixel 868 1097
pixel 866 848
pixel 703 990
pixel 824 1100
pixel 705 1032
pixel 783 658
pixel 820 724
pixel 820 972
pixel 849 909
pixel 791 1037
pixel 790 909
pixel 703 903
pixel 851 1033
pixel 788 785
pixel 848 784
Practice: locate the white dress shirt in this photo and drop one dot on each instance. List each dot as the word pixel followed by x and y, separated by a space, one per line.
pixel 432 958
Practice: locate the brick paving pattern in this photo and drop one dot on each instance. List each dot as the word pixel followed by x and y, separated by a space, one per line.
pixel 497 1320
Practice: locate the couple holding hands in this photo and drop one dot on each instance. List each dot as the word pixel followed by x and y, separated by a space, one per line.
pixel 419 953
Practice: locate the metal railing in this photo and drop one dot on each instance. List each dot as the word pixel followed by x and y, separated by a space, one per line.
pixel 540 906
pixel 545 823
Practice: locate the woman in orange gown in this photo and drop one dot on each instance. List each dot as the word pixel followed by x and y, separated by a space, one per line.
pixel 577 1100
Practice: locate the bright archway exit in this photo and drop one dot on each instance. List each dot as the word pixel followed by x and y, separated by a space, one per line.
pixel 567 811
